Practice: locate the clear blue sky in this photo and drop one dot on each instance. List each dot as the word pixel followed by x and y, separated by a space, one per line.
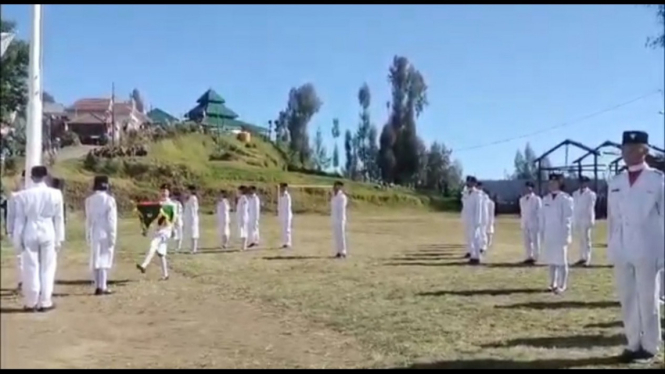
pixel 494 72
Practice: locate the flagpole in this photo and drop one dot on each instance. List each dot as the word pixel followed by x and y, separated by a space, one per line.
pixel 33 148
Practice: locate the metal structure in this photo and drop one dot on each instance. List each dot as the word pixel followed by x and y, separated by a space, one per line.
pixel 579 168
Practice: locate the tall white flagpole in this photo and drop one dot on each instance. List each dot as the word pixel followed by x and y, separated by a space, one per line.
pixel 33 147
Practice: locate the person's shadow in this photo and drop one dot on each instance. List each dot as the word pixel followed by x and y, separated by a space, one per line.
pixel 513 364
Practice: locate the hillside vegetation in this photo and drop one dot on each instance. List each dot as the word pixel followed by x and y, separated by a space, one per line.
pixel 214 163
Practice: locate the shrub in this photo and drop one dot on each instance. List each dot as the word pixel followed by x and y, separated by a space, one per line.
pixel 91 162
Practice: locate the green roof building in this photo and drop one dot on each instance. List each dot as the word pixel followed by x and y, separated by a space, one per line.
pixel 160 117
pixel 211 112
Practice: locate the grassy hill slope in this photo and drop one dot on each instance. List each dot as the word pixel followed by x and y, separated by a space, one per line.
pixel 186 159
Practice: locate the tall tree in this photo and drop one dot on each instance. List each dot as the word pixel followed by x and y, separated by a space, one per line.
pixel 335 134
pixel 365 159
pixel 320 153
pixel 659 40
pixel 399 140
pixel 138 100
pixel 525 164
pixel 351 168
pixel 303 104
pixel 13 74
pixel 372 166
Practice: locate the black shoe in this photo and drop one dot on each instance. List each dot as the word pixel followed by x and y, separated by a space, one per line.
pixel 141 268
pixel 285 246
pixel 251 245
pixel 339 255
pixel 27 309
pixel 45 309
pixel 529 261
pixel 628 356
pixel 644 356
pixel 468 255
pixel 98 291
pixel 580 263
pixel 474 261
pixel 482 251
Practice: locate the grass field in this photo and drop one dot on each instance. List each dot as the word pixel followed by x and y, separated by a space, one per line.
pixel 403 298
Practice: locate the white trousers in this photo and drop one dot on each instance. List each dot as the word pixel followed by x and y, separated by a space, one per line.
pixel 583 233
pixel 19 267
pixel 253 231
pixel 531 242
pixel 472 242
pixel 38 276
pixel 637 287
pixel 286 231
pixel 339 237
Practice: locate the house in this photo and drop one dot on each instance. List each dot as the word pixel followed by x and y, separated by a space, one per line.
pixel 97 120
pixel 212 113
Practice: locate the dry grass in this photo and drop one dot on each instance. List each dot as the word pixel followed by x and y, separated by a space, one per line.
pixel 403 298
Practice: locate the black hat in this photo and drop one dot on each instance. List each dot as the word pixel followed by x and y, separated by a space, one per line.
pixel 38 171
pixel 556 177
pixel 165 186
pixel 635 137
pixel 584 179
pixel 471 179
pixel 529 184
pixel 479 184
pixel 191 187
pixel 283 185
pixel 100 183
pixel 57 183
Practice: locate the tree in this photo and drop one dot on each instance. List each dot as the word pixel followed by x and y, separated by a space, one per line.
pixel 398 156
pixel 365 159
pixel 525 166
pixel 372 165
pixel 320 153
pixel 335 135
pixel 658 41
pixel 13 74
pixel 138 100
pixel 351 168
pixel 302 105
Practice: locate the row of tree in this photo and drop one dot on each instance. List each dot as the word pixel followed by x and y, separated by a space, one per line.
pixel 397 156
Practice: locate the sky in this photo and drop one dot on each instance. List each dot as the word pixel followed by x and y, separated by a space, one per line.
pixel 494 72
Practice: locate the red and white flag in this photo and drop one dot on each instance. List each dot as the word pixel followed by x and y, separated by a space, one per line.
pixel 5 38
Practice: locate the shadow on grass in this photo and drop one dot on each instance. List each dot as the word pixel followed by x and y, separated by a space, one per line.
pixel 414 263
pixel 574 341
pixel 561 305
pixel 430 257
pixel 497 292
pixel 604 325
pixel 511 364
pixel 15 310
pixel 438 247
pixel 87 282
pixel 460 263
pixel 426 255
pixel 209 251
pixel 286 258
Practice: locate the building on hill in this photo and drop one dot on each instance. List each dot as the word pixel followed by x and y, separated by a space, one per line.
pixel 160 117
pixel 213 114
pixel 97 120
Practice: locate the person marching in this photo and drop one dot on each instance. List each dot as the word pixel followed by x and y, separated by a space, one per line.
pixel 191 217
pixel 584 219
pixel 284 214
pixel 338 214
pixel 178 224
pixel 101 228
pixel 242 216
pixel 163 232
pixel 39 230
pixel 254 210
pixel 223 218
pixel 530 206
pixel 556 218
pixel 636 245
pixel 472 218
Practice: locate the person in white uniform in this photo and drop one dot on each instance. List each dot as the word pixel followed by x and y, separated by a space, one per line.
pixel 338 217
pixel 178 224
pixel 584 219
pixel 530 206
pixel 485 219
pixel 191 217
pixel 636 245
pixel 101 229
pixel 242 216
pixel 254 211
pixel 9 227
pixel 160 239
pixel 284 214
pixel 556 220
pixel 224 218
pixel 39 230
pixel 472 218
pixel 489 227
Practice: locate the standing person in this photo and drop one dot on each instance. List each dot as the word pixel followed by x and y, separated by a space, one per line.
pixel 489 228
pixel 39 230
pixel 584 219
pixel 254 209
pixel 472 218
pixel 556 217
pixel 178 224
pixel 284 214
pixel 636 245
pixel 484 218
pixel 530 206
pixel 101 228
pixel 338 214
pixel 191 217
pixel 242 216
pixel 223 218
pixel 163 232
pixel 10 217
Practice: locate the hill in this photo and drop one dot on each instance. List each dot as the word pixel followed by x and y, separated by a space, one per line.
pixel 219 162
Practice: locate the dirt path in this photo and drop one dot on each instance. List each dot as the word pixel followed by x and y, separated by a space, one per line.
pixel 181 323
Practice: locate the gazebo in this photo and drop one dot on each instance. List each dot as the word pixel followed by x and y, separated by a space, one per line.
pixel 212 113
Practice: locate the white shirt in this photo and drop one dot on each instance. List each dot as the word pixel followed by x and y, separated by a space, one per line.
pixel 284 206
pixel 39 216
pixel 338 208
